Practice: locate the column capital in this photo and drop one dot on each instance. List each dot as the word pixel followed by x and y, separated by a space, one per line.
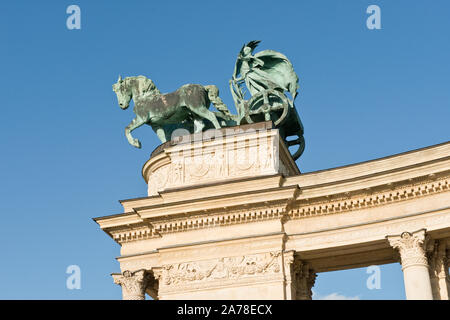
pixel 133 284
pixel 411 246
pixel 305 278
pixel 300 276
pixel 439 274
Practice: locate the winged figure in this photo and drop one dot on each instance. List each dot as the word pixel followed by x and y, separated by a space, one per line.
pixel 264 70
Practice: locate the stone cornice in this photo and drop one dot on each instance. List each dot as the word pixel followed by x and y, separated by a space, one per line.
pixel 371 197
pixel 115 220
pixel 157 226
pixel 279 198
pixel 205 205
pixel 401 161
pixel 432 169
pixel 136 232
pixel 218 217
pixel 333 204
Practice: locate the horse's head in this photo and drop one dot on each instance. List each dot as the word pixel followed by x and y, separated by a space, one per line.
pixel 123 92
pixel 133 87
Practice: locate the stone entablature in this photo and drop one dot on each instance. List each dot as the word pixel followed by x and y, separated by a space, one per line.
pixel 322 221
pixel 331 204
pixel 371 197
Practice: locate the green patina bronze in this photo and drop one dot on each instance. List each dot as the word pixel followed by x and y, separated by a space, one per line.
pixel 271 83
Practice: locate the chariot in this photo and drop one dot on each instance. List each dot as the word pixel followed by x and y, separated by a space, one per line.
pixel 271 104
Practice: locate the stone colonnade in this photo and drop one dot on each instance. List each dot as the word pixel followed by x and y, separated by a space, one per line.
pixel 300 279
pixel 424 261
pixel 424 264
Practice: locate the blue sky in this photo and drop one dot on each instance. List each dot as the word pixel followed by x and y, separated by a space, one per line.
pixel 64 158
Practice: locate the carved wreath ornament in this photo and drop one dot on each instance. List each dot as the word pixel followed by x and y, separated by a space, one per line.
pixel 224 268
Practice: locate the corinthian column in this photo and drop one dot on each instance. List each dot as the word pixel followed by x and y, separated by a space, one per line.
pixel 305 277
pixel 411 247
pixel 299 277
pixel 439 264
pixel 133 284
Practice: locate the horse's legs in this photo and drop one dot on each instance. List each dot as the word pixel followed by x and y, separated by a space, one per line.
pixel 160 133
pixel 198 125
pixel 203 112
pixel 135 123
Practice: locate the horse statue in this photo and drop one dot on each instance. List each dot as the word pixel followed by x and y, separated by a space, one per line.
pixel 268 75
pixel 189 103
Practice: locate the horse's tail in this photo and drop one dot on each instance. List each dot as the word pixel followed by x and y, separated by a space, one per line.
pixel 213 95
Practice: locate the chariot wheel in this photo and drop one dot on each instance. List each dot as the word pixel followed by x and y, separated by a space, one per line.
pixel 268 105
pixel 292 134
pixel 299 141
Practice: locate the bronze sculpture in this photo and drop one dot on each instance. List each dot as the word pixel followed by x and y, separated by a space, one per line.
pixel 268 76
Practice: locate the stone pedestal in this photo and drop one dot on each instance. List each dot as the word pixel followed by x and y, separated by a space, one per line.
pixel 216 156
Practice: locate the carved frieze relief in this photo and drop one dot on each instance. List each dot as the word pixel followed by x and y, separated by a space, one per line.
pixel 227 268
pixel 241 159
